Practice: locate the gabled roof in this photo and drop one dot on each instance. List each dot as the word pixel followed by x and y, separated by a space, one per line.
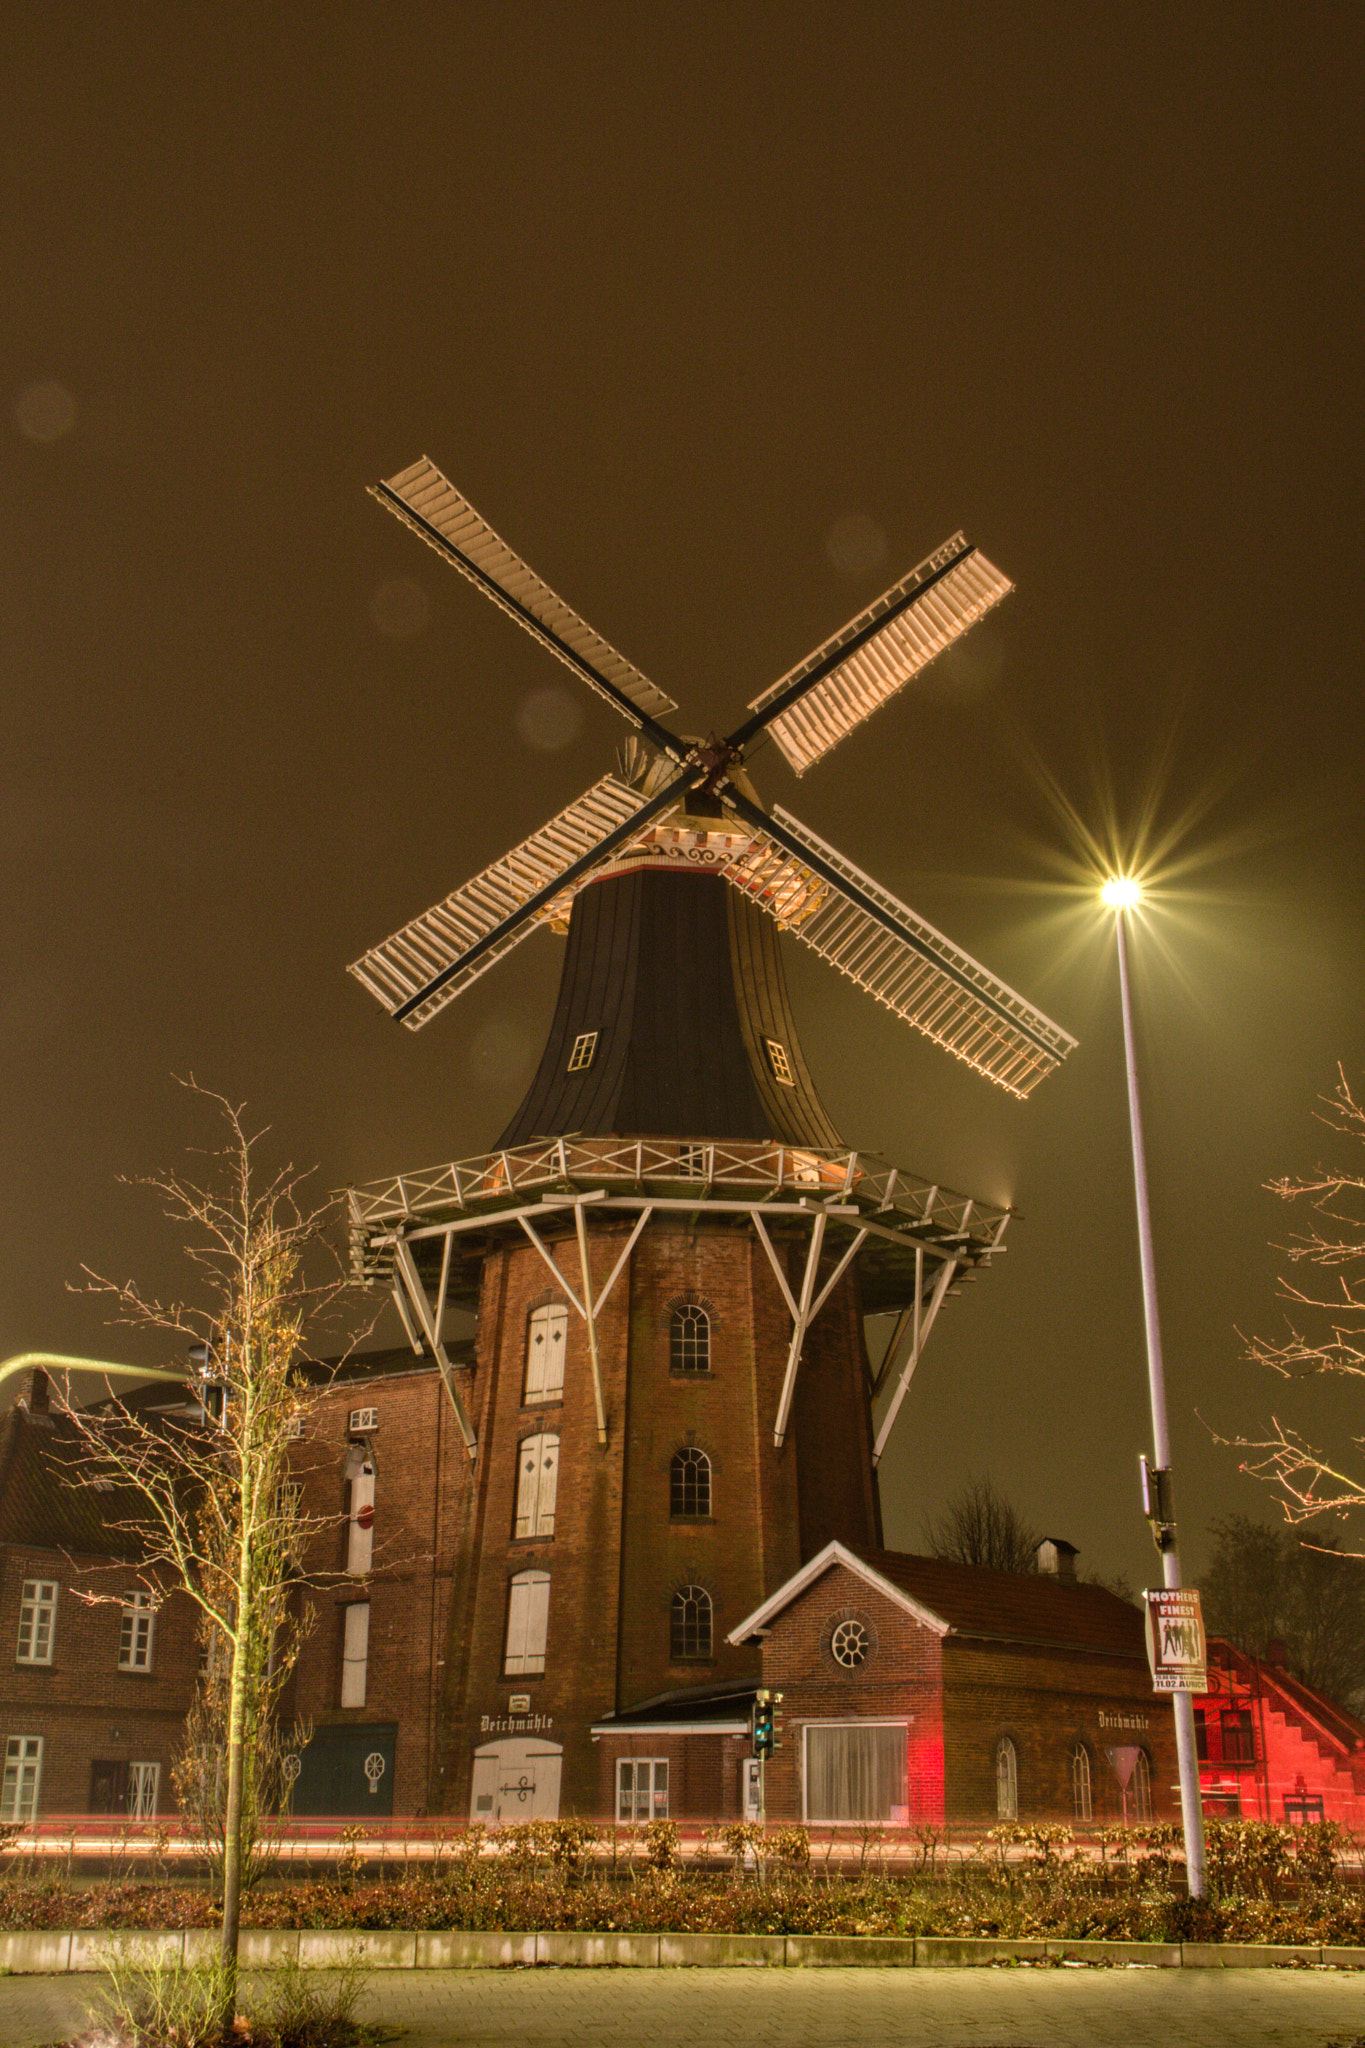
pixel 44 1505
pixel 967 1601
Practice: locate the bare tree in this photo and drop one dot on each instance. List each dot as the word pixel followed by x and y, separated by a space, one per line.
pixel 1265 1590
pixel 216 1514
pixel 979 1526
pixel 1325 1330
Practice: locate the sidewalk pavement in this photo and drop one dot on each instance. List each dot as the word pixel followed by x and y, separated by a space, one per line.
pixel 1017 2007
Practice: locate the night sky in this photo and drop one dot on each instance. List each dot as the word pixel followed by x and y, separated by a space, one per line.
pixel 724 317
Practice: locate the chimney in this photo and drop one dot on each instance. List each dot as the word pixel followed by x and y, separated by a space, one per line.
pixel 1057 1560
pixel 39 1392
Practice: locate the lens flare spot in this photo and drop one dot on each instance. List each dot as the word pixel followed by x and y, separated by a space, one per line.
pixel 549 719
pixel 855 544
pixel 400 608
pixel 45 411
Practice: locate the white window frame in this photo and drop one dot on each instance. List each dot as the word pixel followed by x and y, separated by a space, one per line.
pixel 689 1339
pixel 537 1484
pixel 1006 1779
pixel 144 1782
pixel 779 1062
pixel 528 1618
pixel 637 1801
pixel 23 1778
pixel 362 1422
pixel 1142 1787
pixel 692 1595
pixel 547 1340
pixel 37 1622
pixel 137 1633
pixel 691 1458
pixel 903 1722
pixel 1082 1807
pixel 584 1052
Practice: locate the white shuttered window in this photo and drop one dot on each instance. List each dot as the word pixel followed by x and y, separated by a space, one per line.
pixel 528 1613
pixel 546 1339
pixel 355 1654
pixel 537 1480
pixel 135 1635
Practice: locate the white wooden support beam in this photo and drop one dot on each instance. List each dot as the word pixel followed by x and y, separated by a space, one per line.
pixel 406 1268
pixel 400 1302
pixel 924 1323
pixel 761 1227
pixel 905 1328
pixel 590 1315
pixel 802 1320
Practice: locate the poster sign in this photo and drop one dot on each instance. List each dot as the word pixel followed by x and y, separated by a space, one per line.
pixel 1176 1648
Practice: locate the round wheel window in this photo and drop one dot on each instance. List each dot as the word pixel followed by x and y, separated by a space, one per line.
pixel 849 1645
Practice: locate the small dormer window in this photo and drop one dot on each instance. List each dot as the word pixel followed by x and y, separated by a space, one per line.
pixel 780 1064
pixel 584 1046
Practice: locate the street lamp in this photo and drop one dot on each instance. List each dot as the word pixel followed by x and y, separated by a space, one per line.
pixel 1122 894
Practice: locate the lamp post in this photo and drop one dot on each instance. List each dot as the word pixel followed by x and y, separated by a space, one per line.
pixel 1122 895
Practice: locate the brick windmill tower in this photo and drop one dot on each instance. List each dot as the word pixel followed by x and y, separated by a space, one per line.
pixel 670 1252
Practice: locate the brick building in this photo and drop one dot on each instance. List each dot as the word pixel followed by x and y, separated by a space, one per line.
pixel 1271 1748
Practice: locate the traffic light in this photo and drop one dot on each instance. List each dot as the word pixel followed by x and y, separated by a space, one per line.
pixel 767 1722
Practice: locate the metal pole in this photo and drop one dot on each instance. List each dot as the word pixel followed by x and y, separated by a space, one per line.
pixel 1191 1810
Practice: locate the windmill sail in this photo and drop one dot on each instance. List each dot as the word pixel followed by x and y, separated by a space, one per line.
pixel 429 503
pixel 896 955
pixel 956 587
pixel 405 964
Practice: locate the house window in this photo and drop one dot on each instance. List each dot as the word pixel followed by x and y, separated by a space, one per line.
pixel 780 1064
pixel 355 1653
pixel 23 1771
pixel 856 1771
pixel 1239 1741
pixel 1080 1782
pixel 135 1636
pixel 537 1480
pixel 584 1046
pixel 642 1788
pixel 528 1613
pixel 545 1345
pixel 689 1339
pixel 143 1782
pixel 1142 1786
pixel 1006 1780
pixel 850 1644
pixel 690 1482
pixel 362 1422
pixel 690 1624
pixel 37 1621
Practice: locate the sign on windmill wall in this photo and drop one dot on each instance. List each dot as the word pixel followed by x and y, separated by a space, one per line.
pixel 1176 1648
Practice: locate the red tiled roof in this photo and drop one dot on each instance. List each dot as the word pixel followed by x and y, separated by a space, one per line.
pixel 1021 1607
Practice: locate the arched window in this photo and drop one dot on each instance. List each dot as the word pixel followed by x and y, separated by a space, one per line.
pixel 1142 1786
pixel 690 1482
pixel 528 1613
pixel 1006 1780
pixel 1080 1782
pixel 689 1339
pixel 537 1481
pixel 690 1624
pixel 546 1338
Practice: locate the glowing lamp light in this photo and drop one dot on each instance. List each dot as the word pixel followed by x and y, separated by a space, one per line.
pixel 1121 893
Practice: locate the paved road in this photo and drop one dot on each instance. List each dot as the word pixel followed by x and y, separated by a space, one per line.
pixel 986 2008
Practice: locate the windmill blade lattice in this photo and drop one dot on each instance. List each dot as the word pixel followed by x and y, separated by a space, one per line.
pixel 929 609
pixel 429 503
pixel 407 964
pixel 895 954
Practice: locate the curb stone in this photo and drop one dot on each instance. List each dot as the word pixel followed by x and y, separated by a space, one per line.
pixel 70 1951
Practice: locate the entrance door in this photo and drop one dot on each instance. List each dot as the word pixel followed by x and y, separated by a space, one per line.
pixel 516 1781
pixel 348 1769
pixel 108 1786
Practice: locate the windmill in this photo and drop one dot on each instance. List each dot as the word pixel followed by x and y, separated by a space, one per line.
pixel 806 885
pixel 671 1188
